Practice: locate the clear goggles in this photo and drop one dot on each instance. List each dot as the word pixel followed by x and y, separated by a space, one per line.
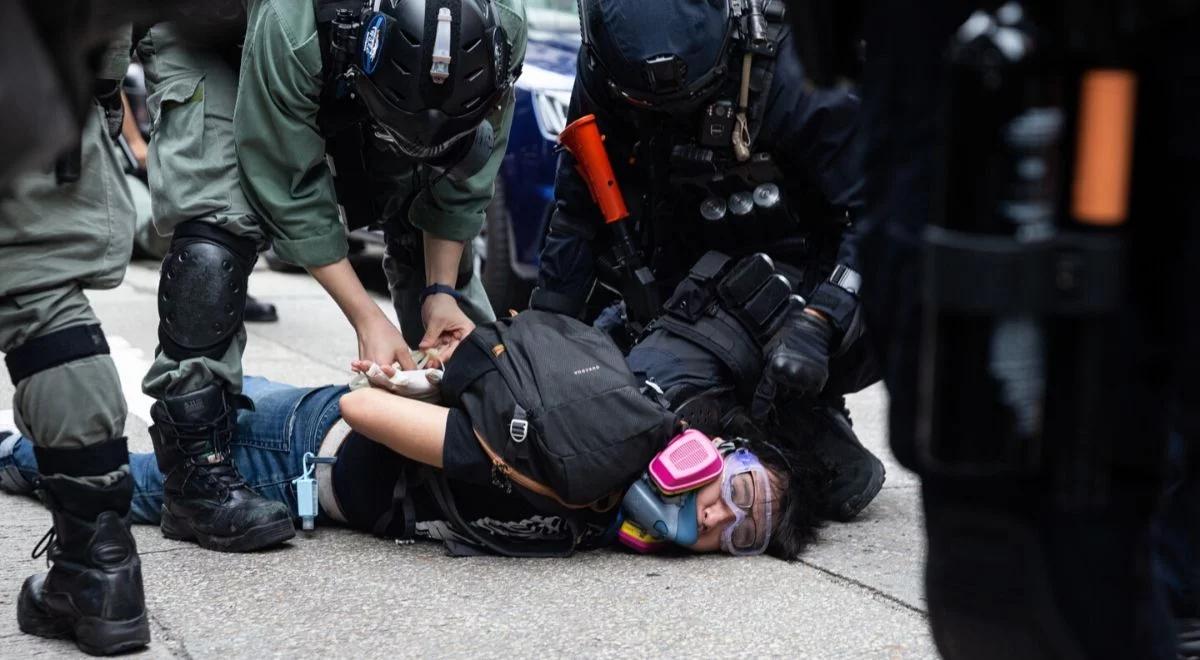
pixel 746 490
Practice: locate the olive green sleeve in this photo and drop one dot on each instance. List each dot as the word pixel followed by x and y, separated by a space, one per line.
pixel 114 60
pixel 281 154
pixel 454 210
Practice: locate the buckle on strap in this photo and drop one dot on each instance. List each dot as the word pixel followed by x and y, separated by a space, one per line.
pixel 518 427
pixel 518 430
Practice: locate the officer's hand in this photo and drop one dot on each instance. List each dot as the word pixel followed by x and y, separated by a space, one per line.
pixel 445 326
pixel 380 341
pixel 797 360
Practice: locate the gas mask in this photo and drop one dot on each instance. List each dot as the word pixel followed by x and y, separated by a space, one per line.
pixel 661 506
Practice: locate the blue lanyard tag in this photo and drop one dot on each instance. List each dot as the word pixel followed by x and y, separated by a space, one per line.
pixel 306 489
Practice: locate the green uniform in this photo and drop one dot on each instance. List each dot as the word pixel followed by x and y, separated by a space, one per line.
pixel 241 148
pixel 56 240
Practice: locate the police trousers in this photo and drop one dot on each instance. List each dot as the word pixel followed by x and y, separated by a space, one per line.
pixel 56 240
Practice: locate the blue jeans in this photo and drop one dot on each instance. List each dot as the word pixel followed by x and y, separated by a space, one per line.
pixel 271 441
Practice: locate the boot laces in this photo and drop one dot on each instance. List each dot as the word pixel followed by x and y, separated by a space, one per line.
pixel 45 546
pixel 213 457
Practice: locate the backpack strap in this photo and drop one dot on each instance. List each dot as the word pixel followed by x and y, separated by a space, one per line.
pixel 402 501
pixel 440 489
pixel 470 363
pixel 601 505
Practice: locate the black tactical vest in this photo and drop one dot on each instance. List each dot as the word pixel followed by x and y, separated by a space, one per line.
pixel 690 166
pixel 352 150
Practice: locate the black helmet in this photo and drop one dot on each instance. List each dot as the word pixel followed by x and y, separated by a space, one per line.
pixel 667 55
pixel 429 71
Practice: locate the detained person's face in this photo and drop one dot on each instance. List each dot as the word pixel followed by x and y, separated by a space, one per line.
pixel 713 515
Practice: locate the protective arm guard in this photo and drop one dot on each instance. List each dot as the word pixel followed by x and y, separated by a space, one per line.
pixel 202 290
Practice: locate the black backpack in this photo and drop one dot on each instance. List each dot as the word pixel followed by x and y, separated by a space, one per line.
pixel 557 410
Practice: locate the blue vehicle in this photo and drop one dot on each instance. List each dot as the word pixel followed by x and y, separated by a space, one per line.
pixel 517 218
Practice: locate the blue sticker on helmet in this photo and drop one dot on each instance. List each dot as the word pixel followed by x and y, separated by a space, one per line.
pixel 372 44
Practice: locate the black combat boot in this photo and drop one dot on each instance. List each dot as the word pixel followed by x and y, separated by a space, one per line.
pixel 823 425
pixel 258 311
pixel 857 474
pixel 93 591
pixel 205 498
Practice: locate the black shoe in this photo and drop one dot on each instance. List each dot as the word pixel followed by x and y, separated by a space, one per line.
pixel 258 311
pixel 93 591
pixel 204 498
pixel 857 474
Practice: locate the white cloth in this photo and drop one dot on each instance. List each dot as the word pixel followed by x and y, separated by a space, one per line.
pixel 421 384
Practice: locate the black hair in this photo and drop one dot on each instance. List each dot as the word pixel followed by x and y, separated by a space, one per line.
pixel 805 480
pixel 785 450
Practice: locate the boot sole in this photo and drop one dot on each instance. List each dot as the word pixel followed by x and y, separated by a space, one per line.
pixel 92 635
pixel 260 537
pixel 850 509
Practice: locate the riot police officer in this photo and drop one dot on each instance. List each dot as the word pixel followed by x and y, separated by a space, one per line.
pixel 326 115
pixel 63 230
pixel 1026 169
pixel 718 143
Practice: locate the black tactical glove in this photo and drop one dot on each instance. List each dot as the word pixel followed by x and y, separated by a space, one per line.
pixel 797 360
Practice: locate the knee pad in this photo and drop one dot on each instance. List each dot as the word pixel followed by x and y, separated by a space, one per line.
pixel 202 290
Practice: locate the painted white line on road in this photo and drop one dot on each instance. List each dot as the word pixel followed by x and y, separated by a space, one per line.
pixel 131 367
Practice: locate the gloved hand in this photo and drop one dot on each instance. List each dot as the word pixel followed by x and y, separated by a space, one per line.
pixel 797 359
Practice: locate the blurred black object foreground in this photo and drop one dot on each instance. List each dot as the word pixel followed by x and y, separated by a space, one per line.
pixel 1026 177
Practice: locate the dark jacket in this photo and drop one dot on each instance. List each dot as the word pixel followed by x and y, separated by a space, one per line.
pixel 813 136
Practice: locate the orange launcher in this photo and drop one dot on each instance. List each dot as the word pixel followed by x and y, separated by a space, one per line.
pixel 583 140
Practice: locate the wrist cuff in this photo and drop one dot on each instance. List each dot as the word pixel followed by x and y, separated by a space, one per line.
pixel 434 289
pixel 836 303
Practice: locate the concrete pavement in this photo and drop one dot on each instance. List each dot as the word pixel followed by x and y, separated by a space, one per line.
pixel 856 593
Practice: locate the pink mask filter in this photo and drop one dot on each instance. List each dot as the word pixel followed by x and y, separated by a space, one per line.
pixel 689 461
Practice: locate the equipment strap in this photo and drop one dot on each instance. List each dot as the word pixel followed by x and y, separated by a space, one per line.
pixel 54 349
pixel 92 460
pixel 1069 274
pixel 402 501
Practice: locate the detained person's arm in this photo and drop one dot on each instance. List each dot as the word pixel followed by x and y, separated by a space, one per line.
pixel 413 429
pixel 281 157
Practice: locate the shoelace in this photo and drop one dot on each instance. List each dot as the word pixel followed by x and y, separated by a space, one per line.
pixel 49 539
pixel 223 470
